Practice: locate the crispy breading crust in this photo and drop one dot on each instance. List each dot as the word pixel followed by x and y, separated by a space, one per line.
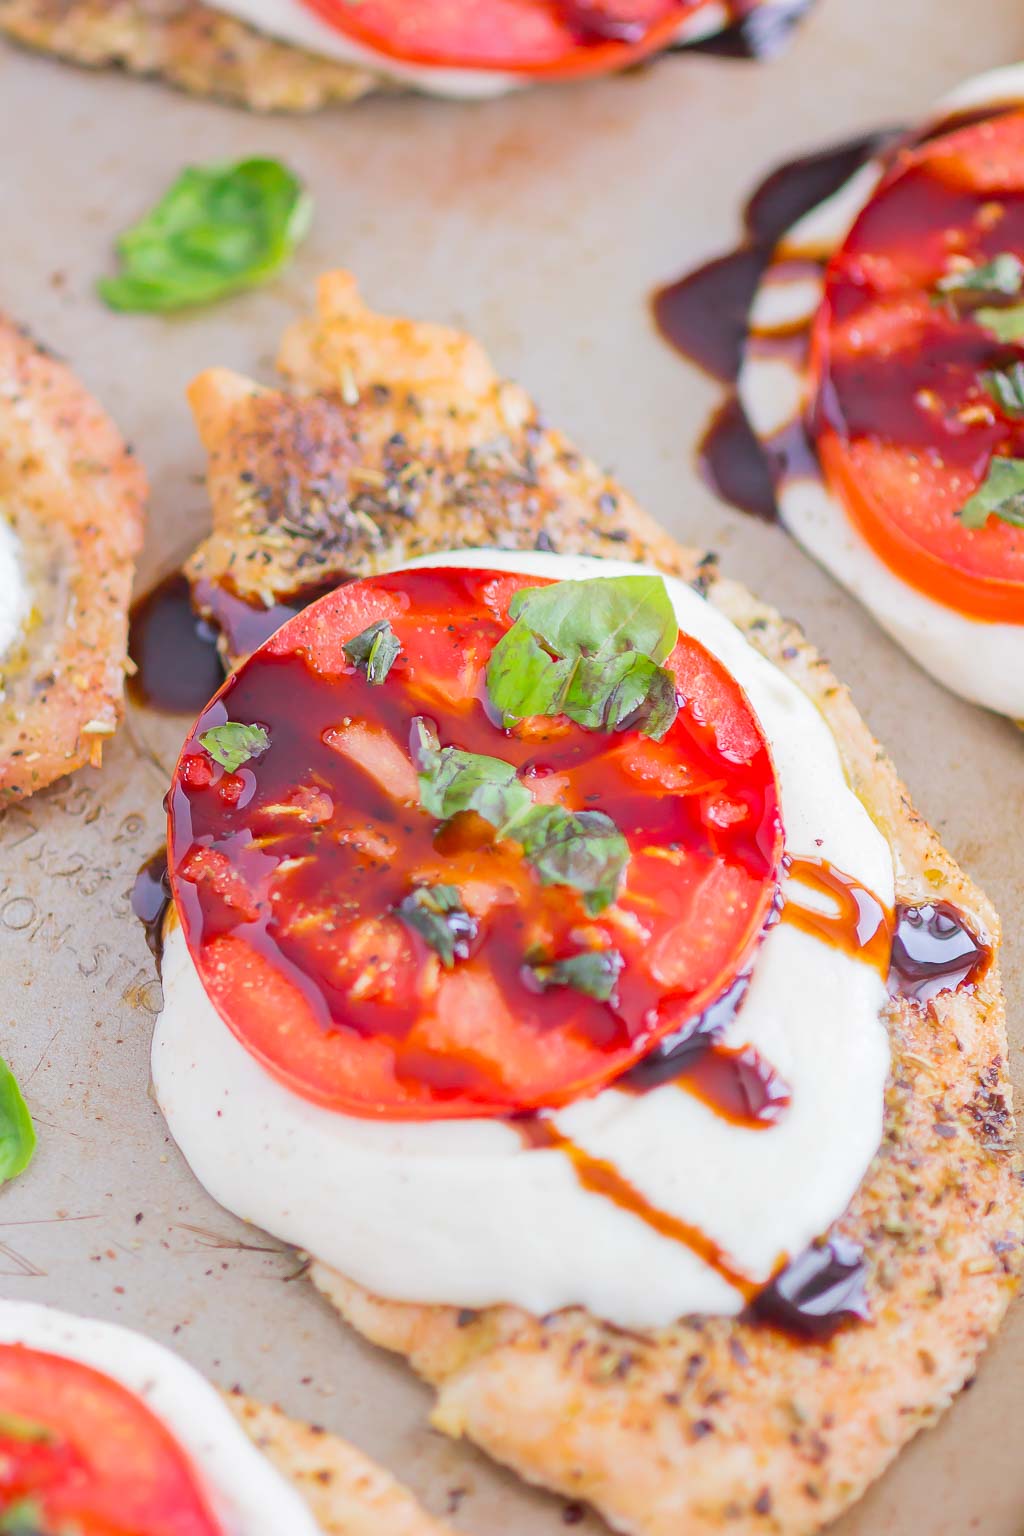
pixel 75 497
pixel 189 45
pixel 713 1424
pixel 349 1494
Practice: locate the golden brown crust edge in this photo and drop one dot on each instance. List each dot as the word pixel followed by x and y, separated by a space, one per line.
pixel 190 46
pixel 76 497
pixel 715 1424
pixel 349 1494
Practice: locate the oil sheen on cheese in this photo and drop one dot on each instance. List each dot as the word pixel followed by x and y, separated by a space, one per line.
pixel 468 1213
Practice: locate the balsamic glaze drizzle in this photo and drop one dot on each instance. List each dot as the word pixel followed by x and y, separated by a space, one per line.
pixel 150 899
pixel 703 315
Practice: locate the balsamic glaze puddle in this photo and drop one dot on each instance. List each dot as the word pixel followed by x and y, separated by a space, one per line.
pixel 704 314
pixel 757 33
pixel 150 899
pixel 818 1292
pixel 175 650
pixel 934 950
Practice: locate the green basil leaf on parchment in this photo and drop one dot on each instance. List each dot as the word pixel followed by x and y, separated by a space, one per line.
pixel 219 228
pixel 17 1133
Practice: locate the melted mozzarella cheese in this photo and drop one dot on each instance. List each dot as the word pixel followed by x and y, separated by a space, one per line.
pixel 247 1495
pixel 983 662
pixel 14 596
pixel 292 21
pixel 459 1212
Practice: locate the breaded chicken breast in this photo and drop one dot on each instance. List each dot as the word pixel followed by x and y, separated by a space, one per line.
pixel 348 1493
pixel 72 502
pixel 392 439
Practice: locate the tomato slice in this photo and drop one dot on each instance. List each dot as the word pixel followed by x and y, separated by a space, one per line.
pixel 904 426
pixel 287 873
pixel 87 1456
pixel 554 38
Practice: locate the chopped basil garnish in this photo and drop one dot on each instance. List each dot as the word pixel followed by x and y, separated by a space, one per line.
pixel 590 650
pixel 22 1519
pixel 595 972
pixel 375 651
pixel 1006 386
pixel 1001 494
pixel 1005 324
pixel 14 1427
pixel 17 1133
pixel 1003 274
pixel 582 849
pixel 232 744
pixel 218 229
pixel 452 781
pixel 438 916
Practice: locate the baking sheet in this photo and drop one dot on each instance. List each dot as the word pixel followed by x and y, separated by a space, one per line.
pixel 541 223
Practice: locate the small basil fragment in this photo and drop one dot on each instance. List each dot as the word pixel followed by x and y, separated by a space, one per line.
pixel 14 1427
pixel 17 1133
pixel 438 916
pixel 219 228
pixel 1003 274
pixel 22 1519
pixel 595 973
pixel 582 849
pixel 374 651
pixel 452 780
pixel 1005 324
pixel 1001 495
pixel 590 650
pixel 1006 386
pixel 232 744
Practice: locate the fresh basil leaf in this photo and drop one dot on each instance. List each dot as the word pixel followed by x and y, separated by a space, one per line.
pixel 595 973
pixel 601 616
pixel 452 781
pixel 219 228
pixel 17 1133
pixel 1001 494
pixel 622 692
pixel 375 651
pixel 14 1427
pixel 1005 324
pixel 22 1519
pixel 1003 274
pixel 582 849
pixel 590 650
pixel 438 916
pixel 232 744
pixel 1006 386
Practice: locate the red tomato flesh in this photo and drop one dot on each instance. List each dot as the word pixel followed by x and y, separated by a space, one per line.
pixel 556 38
pixel 89 1455
pixel 286 873
pixel 904 427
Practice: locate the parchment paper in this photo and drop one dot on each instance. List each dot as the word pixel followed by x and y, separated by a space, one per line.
pixel 541 223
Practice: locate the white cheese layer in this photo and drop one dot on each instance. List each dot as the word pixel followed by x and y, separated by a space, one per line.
pixel 246 1494
pixel 459 1212
pixel 983 662
pixel 15 602
pixel 291 21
